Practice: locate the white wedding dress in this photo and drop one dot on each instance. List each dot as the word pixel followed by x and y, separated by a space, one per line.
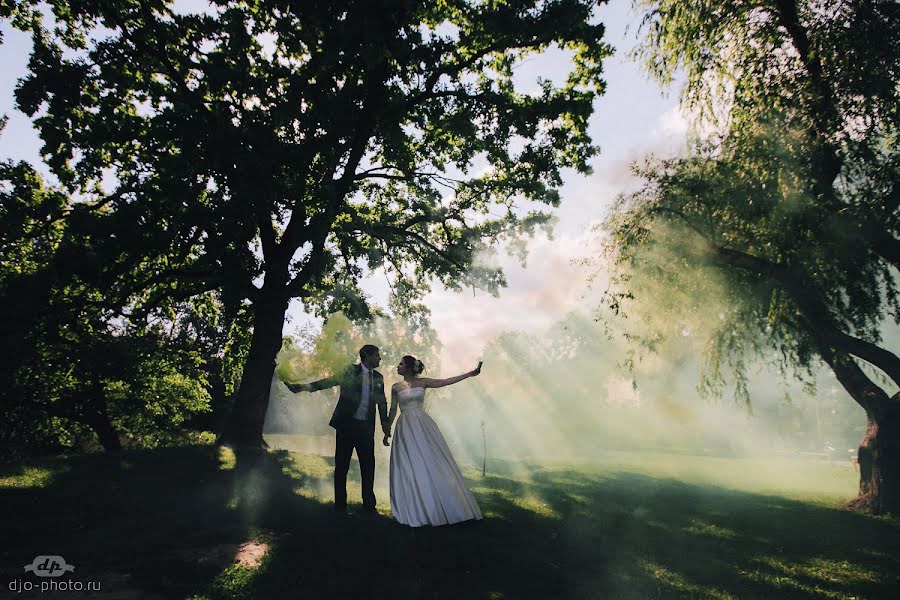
pixel 427 487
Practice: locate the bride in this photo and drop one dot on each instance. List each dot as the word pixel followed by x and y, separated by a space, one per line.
pixel 427 487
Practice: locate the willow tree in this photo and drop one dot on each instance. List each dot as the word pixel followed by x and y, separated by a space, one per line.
pixel 792 204
pixel 298 146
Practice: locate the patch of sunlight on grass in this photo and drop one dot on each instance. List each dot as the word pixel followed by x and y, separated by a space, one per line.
pixel 234 582
pixel 537 506
pixel 578 498
pixel 815 482
pixel 227 459
pixel 470 473
pixel 528 502
pixel 780 573
pixel 251 554
pixel 30 477
pixel 310 465
pixel 573 475
pixel 704 528
pixel 308 493
pixel 319 490
pixel 487 512
pixel 675 581
pixel 838 571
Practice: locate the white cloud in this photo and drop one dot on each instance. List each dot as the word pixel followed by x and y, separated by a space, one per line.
pixel 673 123
pixel 539 295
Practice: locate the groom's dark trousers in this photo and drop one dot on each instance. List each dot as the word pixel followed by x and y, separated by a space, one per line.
pixel 352 433
pixel 359 436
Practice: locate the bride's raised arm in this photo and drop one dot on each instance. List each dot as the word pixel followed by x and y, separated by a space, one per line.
pixel 437 383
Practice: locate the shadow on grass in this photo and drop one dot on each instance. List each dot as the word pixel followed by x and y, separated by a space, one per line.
pixel 547 534
pixel 658 537
pixel 149 523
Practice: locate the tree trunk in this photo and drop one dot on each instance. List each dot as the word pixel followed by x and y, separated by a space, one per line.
pixel 244 427
pixel 879 462
pixel 879 452
pixel 94 414
pixel 96 418
pixel 106 433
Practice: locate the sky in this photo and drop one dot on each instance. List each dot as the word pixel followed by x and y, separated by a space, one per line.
pixel 633 118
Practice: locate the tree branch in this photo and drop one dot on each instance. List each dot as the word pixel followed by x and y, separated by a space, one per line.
pixel 823 113
pixel 821 324
pixel 422 242
pixel 868 395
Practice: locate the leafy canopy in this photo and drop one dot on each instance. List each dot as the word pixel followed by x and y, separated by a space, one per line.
pixel 781 224
pixel 311 141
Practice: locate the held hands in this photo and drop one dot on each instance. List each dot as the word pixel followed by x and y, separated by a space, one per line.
pixel 386 438
pixel 298 387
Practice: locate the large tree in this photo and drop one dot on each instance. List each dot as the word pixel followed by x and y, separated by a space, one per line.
pixel 791 206
pixel 292 147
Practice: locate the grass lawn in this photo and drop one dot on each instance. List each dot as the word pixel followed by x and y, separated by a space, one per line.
pixel 170 524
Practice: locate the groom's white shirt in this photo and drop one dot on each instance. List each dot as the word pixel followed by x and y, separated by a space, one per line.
pixel 366 392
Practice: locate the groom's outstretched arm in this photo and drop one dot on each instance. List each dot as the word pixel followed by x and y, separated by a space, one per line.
pixel 315 386
pixel 323 384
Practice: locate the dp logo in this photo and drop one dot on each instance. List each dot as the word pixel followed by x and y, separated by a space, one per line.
pixel 49 566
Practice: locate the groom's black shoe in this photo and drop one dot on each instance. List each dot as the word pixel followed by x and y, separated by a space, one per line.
pixel 340 509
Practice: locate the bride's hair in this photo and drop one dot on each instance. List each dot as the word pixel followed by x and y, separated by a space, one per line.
pixel 414 366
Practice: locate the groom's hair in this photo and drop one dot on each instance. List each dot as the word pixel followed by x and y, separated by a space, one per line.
pixel 367 351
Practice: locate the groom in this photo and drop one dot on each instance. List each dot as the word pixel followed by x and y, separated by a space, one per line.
pixel 362 387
